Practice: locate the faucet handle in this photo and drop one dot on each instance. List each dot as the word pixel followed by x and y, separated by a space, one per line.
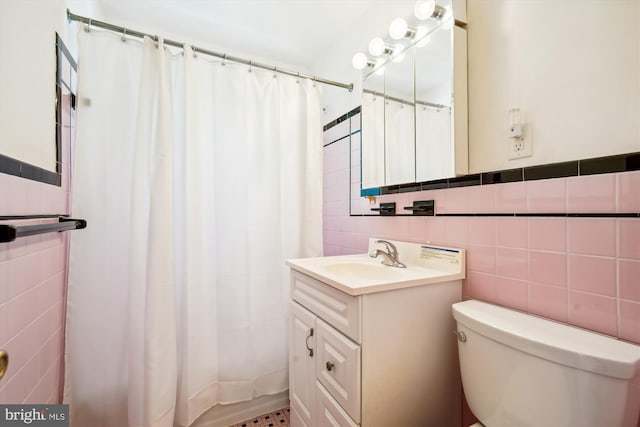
pixel 391 248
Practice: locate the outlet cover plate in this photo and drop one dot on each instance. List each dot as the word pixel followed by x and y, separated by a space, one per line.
pixel 521 147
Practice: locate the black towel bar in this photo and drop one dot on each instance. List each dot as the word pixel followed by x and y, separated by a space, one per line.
pixel 9 233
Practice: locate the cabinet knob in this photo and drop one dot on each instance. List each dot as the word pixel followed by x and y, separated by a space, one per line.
pixel 329 366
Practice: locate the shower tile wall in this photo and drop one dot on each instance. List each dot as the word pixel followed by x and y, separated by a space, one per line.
pixel 32 285
pixel 33 277
pixel 582 271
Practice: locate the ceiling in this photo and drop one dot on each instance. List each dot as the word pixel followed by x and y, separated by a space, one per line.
pixel 297 33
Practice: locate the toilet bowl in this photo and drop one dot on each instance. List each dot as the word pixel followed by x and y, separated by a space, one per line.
pixel 521 370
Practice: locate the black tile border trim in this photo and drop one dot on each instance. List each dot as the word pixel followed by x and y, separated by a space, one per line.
pixel 549 215
pixel 341 119
pixel 337 140
pixel 521 215
pixel 609 164
pixel 15 167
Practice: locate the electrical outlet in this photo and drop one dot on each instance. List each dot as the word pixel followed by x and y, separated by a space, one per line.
pixel 521 147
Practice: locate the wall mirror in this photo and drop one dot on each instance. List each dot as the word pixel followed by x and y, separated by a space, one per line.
pixel 433 98
pixel 399 119
pixel 372 152
pixel 414 111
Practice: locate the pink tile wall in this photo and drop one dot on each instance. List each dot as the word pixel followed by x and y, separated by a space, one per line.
pixel 582 271
pixel 33 274
pixel 32 286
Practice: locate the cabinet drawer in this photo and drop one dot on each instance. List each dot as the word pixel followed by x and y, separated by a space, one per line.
pixel 340 310
pixel 338 368
pixel 330 414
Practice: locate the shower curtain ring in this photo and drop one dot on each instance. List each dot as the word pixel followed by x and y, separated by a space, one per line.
pixel 250 63
pixel 298 78
pixel 193 48
pixel 224 59
pixel 88 28
pixel 275 71
pixel 124 34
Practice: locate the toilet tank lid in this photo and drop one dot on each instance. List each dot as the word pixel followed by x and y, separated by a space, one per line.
pixel 550 340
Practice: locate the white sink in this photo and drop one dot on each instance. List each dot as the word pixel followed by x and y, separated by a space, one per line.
pixel 360 274
pixel 364 270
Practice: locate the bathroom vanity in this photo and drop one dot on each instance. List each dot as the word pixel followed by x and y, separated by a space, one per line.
pixel 372 345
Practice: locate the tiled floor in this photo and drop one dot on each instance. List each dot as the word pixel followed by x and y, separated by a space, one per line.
pixel 272 419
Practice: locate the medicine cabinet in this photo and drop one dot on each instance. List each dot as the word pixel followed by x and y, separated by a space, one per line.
pixel 414 111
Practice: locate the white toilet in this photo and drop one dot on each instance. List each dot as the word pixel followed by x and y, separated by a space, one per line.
pixel 519 370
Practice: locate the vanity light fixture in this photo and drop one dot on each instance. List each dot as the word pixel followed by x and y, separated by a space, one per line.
pixel 425 9
pixel 361 61
pixel 378 47
pixel 399 29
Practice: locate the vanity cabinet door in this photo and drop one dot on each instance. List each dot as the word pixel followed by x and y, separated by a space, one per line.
pixel 338 368
pixel 302 374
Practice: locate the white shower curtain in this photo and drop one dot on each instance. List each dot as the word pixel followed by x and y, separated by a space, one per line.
pixel 197 180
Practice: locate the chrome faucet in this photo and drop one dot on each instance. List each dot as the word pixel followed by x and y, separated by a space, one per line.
pixel 390 256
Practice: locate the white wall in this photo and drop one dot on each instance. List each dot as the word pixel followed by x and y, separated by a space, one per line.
pixel 28 77
pixel 573 69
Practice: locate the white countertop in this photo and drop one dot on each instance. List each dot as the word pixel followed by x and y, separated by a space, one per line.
pixel 361 274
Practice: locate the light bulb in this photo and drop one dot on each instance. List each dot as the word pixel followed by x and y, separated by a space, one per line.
pixel 398 28
pixel 359 61
pixel 424 9
pixel 376 46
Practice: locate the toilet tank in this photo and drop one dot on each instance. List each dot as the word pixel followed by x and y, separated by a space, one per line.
pixel 521 370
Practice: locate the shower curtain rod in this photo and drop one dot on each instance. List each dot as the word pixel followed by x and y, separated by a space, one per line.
pixel 128 32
